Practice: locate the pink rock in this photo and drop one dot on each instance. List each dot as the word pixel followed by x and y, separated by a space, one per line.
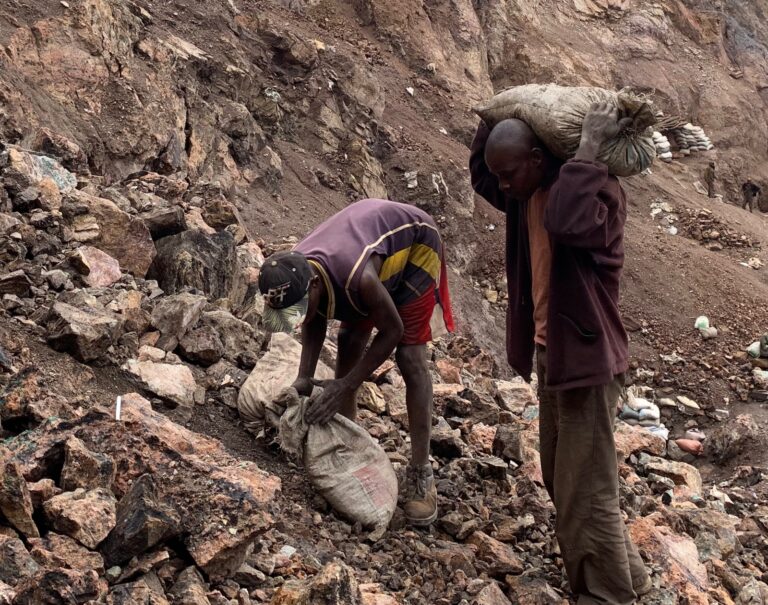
pixel 15 499
pixel 499 556
pixel 121 235
pixel 448 371
pixel 97 268
pixel 86 516
pixel 677 555
pixel 634 439
pixel 481 437
pixel 691 446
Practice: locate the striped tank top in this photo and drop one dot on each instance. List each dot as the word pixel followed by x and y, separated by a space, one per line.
pixel 405 236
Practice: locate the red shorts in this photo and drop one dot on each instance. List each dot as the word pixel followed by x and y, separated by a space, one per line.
pixel 416 316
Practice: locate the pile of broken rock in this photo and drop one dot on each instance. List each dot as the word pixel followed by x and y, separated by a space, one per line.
pixel 145 272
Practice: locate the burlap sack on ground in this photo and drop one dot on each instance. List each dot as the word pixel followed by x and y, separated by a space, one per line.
pixel 555 113
pixel 271 375
pixel 344 463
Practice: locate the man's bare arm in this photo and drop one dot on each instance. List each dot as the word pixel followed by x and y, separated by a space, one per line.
pixel 312 338
pixel 383 313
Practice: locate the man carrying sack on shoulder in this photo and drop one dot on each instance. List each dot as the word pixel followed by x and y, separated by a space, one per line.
pixel 564 257
pixel 376 264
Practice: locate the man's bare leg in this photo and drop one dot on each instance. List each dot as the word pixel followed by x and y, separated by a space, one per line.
pixel 421 505
pixel 412 362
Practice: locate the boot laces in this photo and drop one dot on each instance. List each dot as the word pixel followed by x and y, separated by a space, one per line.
pixel 418 481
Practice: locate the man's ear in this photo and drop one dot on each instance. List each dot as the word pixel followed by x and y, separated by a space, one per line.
pixel 314 281
pixel 537 157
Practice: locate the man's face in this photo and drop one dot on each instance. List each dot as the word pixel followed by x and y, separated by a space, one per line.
pixel 519 171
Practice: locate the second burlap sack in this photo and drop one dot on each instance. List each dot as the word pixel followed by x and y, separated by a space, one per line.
pixel 344 464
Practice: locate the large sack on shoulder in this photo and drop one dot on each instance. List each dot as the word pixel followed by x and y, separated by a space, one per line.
pixel 344 463
pixel 555 113
pixel 271 375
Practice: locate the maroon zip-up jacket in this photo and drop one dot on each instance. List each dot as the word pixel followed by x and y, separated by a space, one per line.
pixel 585 215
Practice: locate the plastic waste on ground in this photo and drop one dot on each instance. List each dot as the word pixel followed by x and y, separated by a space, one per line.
pixel 701 323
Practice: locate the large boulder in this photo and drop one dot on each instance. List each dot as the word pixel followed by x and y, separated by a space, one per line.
pixel 22 169
pixel 445 441
pixel 61 586
pixel 515 395
pixel 202 346
pixel 237 336
pixel 57 550
pixel 164 221
pixel 117 233
pixel 16 563
pixel 86 516
pixel 714 532
pixel 98 269
pixel 15 499
pixel 733 438
pixel 176 314
pixel 86 333
pixel 686 477
pixel 193 259
pixel 635 439
pixel 190 588
pixel 143 520
pixel 172 382
pixel 129 304
pixel 67 151
pixel 84 468
pixel 683 577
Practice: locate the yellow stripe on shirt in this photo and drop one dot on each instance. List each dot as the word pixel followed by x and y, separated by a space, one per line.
pixel 394 264
pixel 366 252
pixel 419 255
pixel 426 259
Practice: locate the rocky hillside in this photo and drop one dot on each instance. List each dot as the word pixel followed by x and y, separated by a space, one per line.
pixel 152 154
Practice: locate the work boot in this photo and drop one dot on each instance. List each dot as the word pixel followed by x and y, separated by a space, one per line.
pixel 644 588
pixel 421 506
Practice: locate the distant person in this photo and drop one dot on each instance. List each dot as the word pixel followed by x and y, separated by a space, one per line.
pixel 564 258
pixel 376 264
pixel 709 178
pixel 750 193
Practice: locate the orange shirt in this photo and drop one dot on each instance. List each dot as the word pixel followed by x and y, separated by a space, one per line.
pixel 541 262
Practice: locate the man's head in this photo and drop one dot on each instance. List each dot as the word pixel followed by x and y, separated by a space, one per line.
pixel 287 282
pixel 517 158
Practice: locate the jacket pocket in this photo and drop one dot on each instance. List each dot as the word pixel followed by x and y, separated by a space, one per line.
pixel 584 333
